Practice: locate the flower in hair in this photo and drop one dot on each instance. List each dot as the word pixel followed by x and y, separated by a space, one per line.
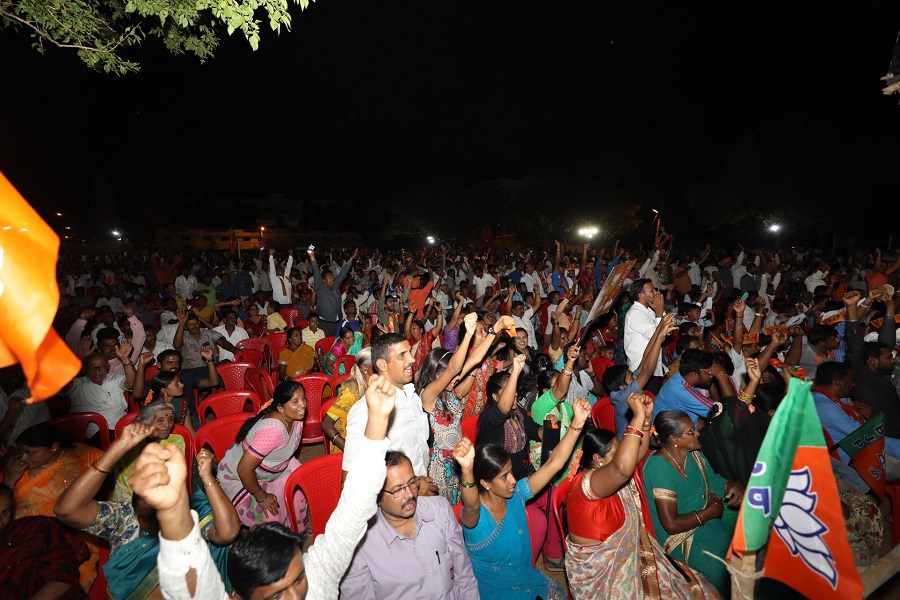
pixel 573 467
pixel 265 406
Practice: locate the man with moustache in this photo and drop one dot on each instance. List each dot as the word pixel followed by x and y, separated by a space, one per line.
pixel 414 547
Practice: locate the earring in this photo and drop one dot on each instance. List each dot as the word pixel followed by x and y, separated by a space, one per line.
pixel 675 445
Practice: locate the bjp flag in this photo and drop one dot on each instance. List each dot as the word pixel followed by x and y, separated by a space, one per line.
pixel 791 504
pixel 865 446
pixel 28 253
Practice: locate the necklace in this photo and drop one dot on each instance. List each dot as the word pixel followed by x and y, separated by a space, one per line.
pixel 675 464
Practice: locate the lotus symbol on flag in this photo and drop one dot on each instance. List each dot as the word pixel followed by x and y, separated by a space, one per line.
pixel 801 531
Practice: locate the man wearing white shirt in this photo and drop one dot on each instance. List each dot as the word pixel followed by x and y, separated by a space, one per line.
pixel 648 271
pixel 281 284
pixel 481 281
pixel 640 323
pixel 531 278
pixel 185 284
pixel 694 266
pixel 115 304
pixel 231 332
pixel 522 314
pixel 409 427
pixel 817 278
pixel 98 391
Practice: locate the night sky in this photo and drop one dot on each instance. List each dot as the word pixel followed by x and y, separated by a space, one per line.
pixel 368 100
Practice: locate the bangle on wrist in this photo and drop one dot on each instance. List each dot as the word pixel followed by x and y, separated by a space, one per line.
pixel 467 484
pixel 577 428
pixel 634 431
pixel 213 482
pixel 99 469
pixel 699 520
pixel 336 436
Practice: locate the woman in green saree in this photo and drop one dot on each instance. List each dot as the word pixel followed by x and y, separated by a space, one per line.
pixel 131 527
pixel 689 515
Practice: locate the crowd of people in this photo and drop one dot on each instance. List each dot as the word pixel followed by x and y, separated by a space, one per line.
pixel 690 361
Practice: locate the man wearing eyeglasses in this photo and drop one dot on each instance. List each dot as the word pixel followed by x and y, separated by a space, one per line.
pixel 414 547
pixel 685 390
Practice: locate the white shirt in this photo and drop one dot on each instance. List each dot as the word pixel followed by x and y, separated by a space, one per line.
pixel 815 280
pixel 114 303
pixel 525 323
pixel 184 286
pixel 281 295
pixel 694 273
pixel 236 336
pixel 481 284
pixel 533 280
pixel 408 431
pixel 28 414
pixel 550 310
pixel 107 399
pixel 325 562
pixel 640 324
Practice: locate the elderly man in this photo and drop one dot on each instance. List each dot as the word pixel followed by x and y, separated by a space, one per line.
pixel 419 533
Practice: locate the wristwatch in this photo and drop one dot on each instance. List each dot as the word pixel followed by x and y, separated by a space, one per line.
pixel 490 330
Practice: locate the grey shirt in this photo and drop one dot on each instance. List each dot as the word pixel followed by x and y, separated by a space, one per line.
pixel 328 299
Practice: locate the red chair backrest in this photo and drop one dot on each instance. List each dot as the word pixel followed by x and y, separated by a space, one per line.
pixel 315 385
pixel 259 381
pixel 557 500
pixel 263 345
pixel 127 420
pixel 248 355
pixel 604 414
pixel 325 344
pixel 322 412
pixel 469 427
pixel 228 403
pixel 150 372
pixel 232 374
pixel 829 443
pixel 75 424
pixel 220 434
pixel 278 342
pixel 290 316
pixel 320 480
pixel 302 323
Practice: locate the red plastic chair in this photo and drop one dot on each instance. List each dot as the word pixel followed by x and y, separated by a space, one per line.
pixel 232 374
pixel 337 380
pixel 604 414
pixel 557 500
pixel 469 427
pixel 150 372
pixel 248 355
pixel 457 510
pixel 314 384
pixel 100 588
pixel 220 434
pixel 76 425
pixel 325 344
pixel 228 403
pixel 263 345
pixel 302 323
pixel 320 480
pixel 322 412
pixel 260 382
pixel 278 342
pixel 290 316
pixel 177 429
pixel 128 419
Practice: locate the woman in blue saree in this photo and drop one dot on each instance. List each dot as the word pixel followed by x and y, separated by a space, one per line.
pixel 493 515
pixel 131 528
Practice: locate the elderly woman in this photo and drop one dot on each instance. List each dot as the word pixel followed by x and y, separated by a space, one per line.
pixel 495 525
pixel 255 469
pixel 689 515
pixel 608 549
pixel 44 464
pixel 334 424
pixel 160 417
pixel 131 528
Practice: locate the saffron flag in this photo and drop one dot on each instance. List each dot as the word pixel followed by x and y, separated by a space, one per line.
pixel 232 240
pixel 28 252
pixel 865 446
pixel 792 503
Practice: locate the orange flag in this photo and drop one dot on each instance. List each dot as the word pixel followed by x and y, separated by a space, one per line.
pixel 28 253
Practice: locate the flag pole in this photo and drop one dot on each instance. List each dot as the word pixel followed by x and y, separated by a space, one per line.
pixel 743 575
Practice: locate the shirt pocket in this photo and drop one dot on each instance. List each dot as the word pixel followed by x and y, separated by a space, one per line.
pixel 446 570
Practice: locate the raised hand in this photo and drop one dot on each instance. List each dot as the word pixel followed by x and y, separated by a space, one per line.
pixel 636 404
pixel 86 347
pixel 739 307
pixel 181 315
pixel 518 363
pixel 205 461
pixel 470 321
pixel 206 352
pixel 134 434
pixel 753 371
pixel 582 411
pixel 779 338
pixel 159 475
pixel 573 352
pixel 504 322
pixel 464 453
pixel 380 396
pixel 851 298
pixel 86 314
pixel 126 310
pixel 124 350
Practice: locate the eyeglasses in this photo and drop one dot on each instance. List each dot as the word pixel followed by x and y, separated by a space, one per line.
pixel 413 486
pixel 691 431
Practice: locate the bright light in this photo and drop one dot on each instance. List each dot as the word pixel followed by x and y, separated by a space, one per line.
pixel 116 233
pixel 262 228
pixel 59 214
pixel 588 231
pixel 776 227
pixel 654 210
pixel 430 239
pixel 67 227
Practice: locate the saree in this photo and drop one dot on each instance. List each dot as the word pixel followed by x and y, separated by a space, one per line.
pixel 477 397
pixel 269 441
pixel 297 362
pixel 629 563
pixel 126 465
pixel 446 424
pixel 663 481
pixel 36 496
pixel 501 554
pixel 36 551
pixel 131 569
pixel 336 353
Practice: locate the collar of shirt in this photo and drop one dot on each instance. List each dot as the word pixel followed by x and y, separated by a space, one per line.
pixel 424 514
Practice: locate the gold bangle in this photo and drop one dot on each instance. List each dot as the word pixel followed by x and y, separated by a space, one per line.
pixel 467 484
pixel 577 428
pixel 99 469
pixel 699 520
pixel 213 482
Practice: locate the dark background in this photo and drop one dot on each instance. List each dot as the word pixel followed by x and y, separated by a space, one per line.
pixel 366 101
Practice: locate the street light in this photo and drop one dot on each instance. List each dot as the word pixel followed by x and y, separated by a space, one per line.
pixel 775 228
pixel 657 219
pixel 430 239
pixel 588 232
pixel 116 232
